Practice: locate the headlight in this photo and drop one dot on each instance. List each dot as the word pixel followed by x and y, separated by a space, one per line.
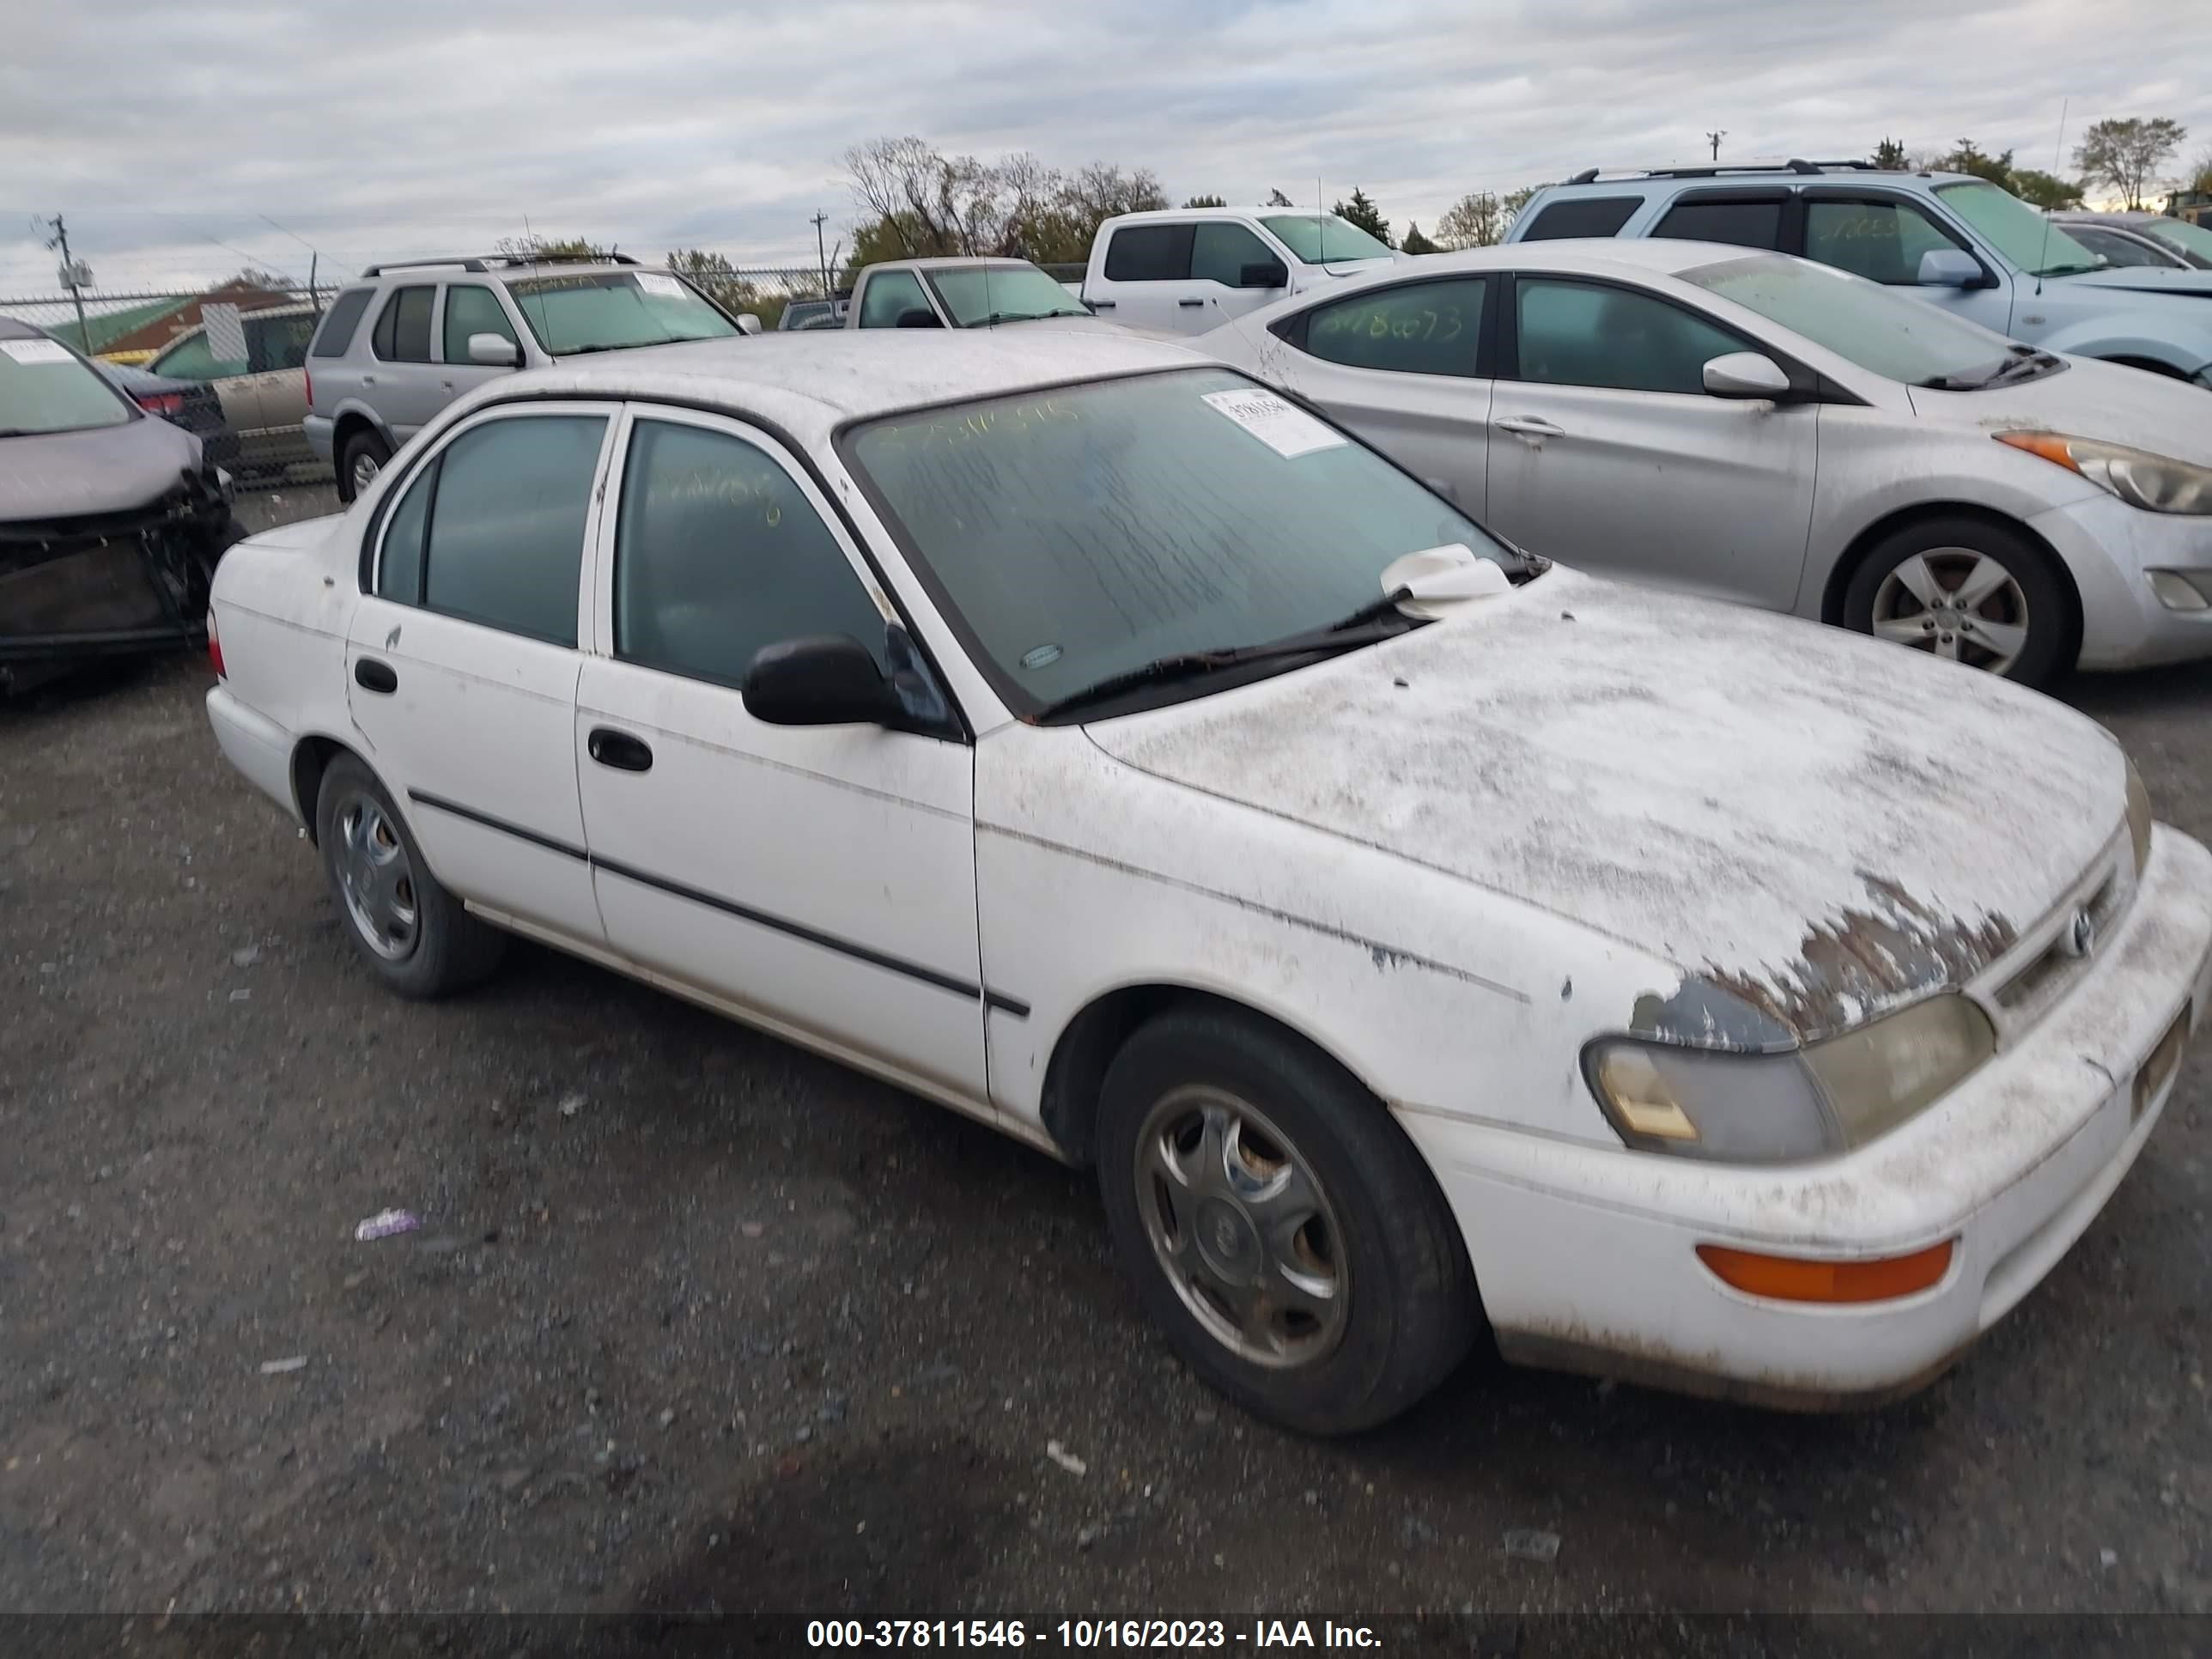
pixel 2156 483
pixel 2139 818
pixel 1807 1103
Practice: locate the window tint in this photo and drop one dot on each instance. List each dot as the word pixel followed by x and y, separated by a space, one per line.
pixel 1423 328
pixel 399 575
pixel 889 296
pixel 335 334
pixel 1745 224
pixel 403 331
pixel 1150 253
pixel 506 504
pixel 193 359
pixel 719 553
pixel 473 310
pixel 1589 216
pixel 1219 252
pixel 1580 334
pixel 276 343
pixel 1881 242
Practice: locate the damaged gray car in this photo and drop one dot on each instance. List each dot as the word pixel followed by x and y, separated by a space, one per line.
pixel 110 521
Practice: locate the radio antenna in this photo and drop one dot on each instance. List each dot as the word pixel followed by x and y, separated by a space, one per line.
pixel 2057 161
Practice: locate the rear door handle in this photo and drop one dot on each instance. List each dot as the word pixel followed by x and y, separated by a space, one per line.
pixel 373 675
pixel 1528 426
pixel 618 749
pixel 1190 302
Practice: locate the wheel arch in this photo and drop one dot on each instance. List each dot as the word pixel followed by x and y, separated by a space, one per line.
pixel 1856 554
pixel 311 757
pixel 1075 1075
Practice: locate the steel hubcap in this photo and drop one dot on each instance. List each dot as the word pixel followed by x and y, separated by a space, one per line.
pixel 364 471
pixel 376 878
pixel 1241 1228
pixel 1960 605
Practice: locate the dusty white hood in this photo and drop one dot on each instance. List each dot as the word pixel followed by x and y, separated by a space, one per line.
pixel 2089 400
pixel 1811 824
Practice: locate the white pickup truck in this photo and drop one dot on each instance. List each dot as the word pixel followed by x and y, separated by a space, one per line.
pixel 1184 270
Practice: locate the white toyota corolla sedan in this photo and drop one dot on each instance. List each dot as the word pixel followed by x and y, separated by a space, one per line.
pixel 1417 939
pixel 1751 427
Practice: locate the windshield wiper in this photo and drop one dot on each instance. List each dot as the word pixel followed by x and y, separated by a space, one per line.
pixel 2021 363
pixel 2076 268
pixel 1345 633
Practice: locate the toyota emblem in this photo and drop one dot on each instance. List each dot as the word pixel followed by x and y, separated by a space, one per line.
pixel 2081 935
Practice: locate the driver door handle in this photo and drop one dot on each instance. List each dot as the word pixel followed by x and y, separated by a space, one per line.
pixel 618 749
pixel 1190 302
pixel 1528 426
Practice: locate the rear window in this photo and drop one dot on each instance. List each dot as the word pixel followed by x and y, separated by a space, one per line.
pixel 1744 224
pixel 1588 215
pixel 1150 253
pixel 335 334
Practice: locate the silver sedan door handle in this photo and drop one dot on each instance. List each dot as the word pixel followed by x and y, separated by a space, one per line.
pixel 1528 426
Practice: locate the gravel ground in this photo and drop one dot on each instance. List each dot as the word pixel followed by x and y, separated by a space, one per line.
pixel 698 1319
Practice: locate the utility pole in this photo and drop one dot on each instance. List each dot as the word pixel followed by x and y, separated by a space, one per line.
pixel 71 278
pixel 1714 139
pixel 819 220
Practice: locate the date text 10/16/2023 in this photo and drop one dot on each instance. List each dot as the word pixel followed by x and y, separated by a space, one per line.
pixel 1174 1635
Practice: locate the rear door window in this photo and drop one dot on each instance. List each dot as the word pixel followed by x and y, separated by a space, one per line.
pixel 1755 222
pixel 1588 215
pixel 403 329
pixel 1150 253
pixel 1422 328
pixel 339 322
pixel 273 344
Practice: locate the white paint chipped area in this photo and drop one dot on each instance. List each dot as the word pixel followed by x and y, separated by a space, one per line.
pixel 1703 781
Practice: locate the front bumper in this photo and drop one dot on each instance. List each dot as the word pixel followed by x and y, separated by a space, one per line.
pixel 2108 546
pixel 1587 1258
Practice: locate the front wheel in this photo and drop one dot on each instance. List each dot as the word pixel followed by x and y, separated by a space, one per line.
pixel 1969 591
pixel 1278 1225
pixel 361 459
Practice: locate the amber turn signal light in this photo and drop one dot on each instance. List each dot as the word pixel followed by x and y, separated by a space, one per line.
pixel 1791 1278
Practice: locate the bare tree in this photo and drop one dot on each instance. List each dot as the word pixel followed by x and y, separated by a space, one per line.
pixel 1475 220
pixel 2128 154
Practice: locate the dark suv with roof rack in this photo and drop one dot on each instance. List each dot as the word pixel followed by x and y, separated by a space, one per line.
pixel 1961 243
pixel 414 334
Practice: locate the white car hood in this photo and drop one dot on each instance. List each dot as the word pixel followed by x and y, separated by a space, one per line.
pixel 2090 399
pixel 2142 279
pixel 1813 826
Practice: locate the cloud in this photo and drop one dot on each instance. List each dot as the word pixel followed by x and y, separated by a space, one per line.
pixel 414 127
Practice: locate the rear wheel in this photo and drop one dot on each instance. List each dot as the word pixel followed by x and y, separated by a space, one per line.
pixel 1278 1225
pixel 360 459
pixel 417 937
pixel 1969 591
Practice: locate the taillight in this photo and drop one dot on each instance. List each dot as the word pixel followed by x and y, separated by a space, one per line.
pixel 214 648
pixel 160 402
pixel 308 384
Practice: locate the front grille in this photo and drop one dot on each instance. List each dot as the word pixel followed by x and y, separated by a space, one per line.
pixel 2046 974
pixel 2045 962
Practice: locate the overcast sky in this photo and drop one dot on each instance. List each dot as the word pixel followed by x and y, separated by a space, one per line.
pixel 173 135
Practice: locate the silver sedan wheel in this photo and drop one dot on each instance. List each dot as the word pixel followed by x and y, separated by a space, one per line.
pixel 365 469
pixel 1241 1228
pixel 376 877
pixel 1959 604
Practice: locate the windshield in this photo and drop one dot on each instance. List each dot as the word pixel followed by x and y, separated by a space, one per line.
pixel 46 387
pixel 975 295
pixel 610 310
pixel 2192 242
pixel 1083 532
pixel 2025 240
pixel 1321 239
pixel 1878 328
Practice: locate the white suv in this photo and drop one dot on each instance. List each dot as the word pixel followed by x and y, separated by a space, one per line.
pixel 418 333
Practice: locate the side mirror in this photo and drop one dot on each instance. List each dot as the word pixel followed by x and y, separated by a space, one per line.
pixel 1750 375
pixel 748 324
pixel 915 316
pixel 825 679
pixel 494 350
pixel 1263 273
pixel 1949 267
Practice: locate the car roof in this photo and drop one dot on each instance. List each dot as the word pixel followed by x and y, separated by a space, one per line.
pixel 1599 179
pixel 1168 215
pixel 952 261
pixel 810 387
pixel 1594 256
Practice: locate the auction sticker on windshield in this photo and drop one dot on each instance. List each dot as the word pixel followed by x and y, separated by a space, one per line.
pixel 667 287
pixel 1282 426
pixel 36 351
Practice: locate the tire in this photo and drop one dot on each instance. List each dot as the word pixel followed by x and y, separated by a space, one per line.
pixel 1387 1305
pixel 1934 559
pixel 412 932
pixel 361 458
